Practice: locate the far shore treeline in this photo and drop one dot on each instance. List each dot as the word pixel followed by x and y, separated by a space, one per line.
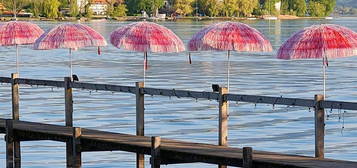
pixel 212 8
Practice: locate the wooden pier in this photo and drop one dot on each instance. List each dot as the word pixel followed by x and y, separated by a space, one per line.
pixel 162 151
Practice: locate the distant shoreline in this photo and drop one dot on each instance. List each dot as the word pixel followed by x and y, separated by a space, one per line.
pixel 139 18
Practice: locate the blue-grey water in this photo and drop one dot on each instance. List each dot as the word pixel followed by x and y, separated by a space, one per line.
pixel 263 127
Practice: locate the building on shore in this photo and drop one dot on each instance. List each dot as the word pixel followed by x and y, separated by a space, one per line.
pixel 99 7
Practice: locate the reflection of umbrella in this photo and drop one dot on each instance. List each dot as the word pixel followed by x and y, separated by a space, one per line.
pixel 320 42
pixel 72 36
pixel 18 33
pixel 229 36
pixel 146 37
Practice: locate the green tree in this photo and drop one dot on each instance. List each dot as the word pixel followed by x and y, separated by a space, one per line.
pixel 16 5
pixel 50 8
pixel 213 7
pixel 285 7
pixel 88 11
pixel 36 7
pixel 316 9
pixel 183 7
pixel 73 8
pixel 120 10
pixel 230 7
pixel 269 6
pixel 300 7
pixel 246 7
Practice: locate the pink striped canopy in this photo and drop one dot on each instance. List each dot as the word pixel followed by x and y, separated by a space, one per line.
pixel 71 36
pixel 318 41
pixel 232 36
pixel 146 37
pixel 19 33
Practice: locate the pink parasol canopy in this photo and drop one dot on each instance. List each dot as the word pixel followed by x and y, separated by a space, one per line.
pixel 18 33
pixel 320 42
pixel 229 36
pixel 71 36
pixel 146 37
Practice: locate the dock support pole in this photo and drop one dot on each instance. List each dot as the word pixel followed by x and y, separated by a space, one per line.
pixel 9 138
pixel 77 149
pixel 155 152
pixel 16 116
pixel 319 128
pixel 140 158
pixel 247 157
pixel 223 120
pixel 68 117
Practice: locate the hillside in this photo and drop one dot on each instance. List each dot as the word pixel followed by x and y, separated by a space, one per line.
pixel 347 3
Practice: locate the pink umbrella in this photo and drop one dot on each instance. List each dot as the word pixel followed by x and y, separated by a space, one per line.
pixel 320 42
pixel 146 37
pixel 72 36
pixel 229 36
pixel 18 33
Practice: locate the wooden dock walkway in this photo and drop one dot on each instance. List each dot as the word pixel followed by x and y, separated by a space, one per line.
pixel 163 151
pixel 172 151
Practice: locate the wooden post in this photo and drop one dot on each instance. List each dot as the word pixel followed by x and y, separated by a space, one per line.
pixel 9 138
pixel 319 128
pixel 68 117
pixel 16 116
pixel 140 158
pixel 223 120
pixel 155 152
pixel 247 157
pixel 77 149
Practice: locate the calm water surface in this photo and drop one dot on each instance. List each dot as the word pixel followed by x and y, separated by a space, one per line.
pixel 279 129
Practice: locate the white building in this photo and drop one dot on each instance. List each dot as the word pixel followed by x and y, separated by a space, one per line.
pixel 99 8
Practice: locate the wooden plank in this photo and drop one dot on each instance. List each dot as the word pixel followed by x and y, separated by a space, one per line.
pixel 40 82
pixel 68 118
pixel 319 128
pixel 77 149
pixel 271 100
pixel 16 116
pixel 155 152
pixel 9 144
pixel 247 157
pixel 103 87
pixel 193 152
pixel 5 80
pixel 140 120
pixel 223 120
pixel 182 93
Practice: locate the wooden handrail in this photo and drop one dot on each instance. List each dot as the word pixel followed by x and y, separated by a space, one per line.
pixel 191 94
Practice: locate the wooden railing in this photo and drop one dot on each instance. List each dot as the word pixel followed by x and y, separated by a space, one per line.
pixel 318 103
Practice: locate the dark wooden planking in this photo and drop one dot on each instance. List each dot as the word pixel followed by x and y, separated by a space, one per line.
pixel 182 93
pixel 103 87
pixel 92 140
pixel 40 82
pixel 338 105
pixel 5 80
pixel 271 100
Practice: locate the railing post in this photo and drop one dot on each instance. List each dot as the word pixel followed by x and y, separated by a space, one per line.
pixel 77 149
pixel 140 158
pixel 155 152
pixel 223 120
pixel 247 157
pixel 9 138
pixel 16 116
pixel 319 128
pixel 68 117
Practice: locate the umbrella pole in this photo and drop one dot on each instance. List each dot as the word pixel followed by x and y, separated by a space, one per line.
pixel 145 65
pixel 228 68
pixel 17 58
pixel 70 63
pixel 324 76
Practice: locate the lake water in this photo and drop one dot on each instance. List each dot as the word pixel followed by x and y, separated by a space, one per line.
pixel 263 127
